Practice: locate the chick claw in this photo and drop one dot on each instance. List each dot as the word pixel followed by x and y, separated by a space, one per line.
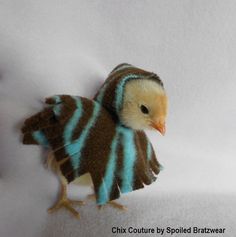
pixel 111 203
pixel 66 203
pixel 118 206
pixel 63 201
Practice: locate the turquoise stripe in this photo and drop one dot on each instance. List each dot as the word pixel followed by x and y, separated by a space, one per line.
pixel 103 196
pixel 120 91
pixel 106 186
pixel 129 159
pixel 57 109
pixel 71 125
pixel 57 99
pixel 74 149
pixel 101 93
pixel 149 150
pixel 40 138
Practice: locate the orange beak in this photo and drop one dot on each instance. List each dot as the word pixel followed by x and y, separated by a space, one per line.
pixel 161 127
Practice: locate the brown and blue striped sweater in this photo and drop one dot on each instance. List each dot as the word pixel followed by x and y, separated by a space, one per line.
pixel 87 136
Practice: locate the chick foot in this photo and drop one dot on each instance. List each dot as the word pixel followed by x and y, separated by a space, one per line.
pixel 63 201
pixel 117 205
pixel 111 203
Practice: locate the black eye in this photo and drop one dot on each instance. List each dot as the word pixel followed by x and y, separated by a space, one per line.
pixel 144 109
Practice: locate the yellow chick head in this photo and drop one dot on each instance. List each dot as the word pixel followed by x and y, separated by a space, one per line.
pixel 144 105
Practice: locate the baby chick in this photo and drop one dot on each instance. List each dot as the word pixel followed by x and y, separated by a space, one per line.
pixel 103 138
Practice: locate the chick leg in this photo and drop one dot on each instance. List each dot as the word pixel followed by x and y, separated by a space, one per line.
pixel 111 203
pixel 63 201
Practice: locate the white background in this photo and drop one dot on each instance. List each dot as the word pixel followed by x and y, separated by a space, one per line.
pixel 68 47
